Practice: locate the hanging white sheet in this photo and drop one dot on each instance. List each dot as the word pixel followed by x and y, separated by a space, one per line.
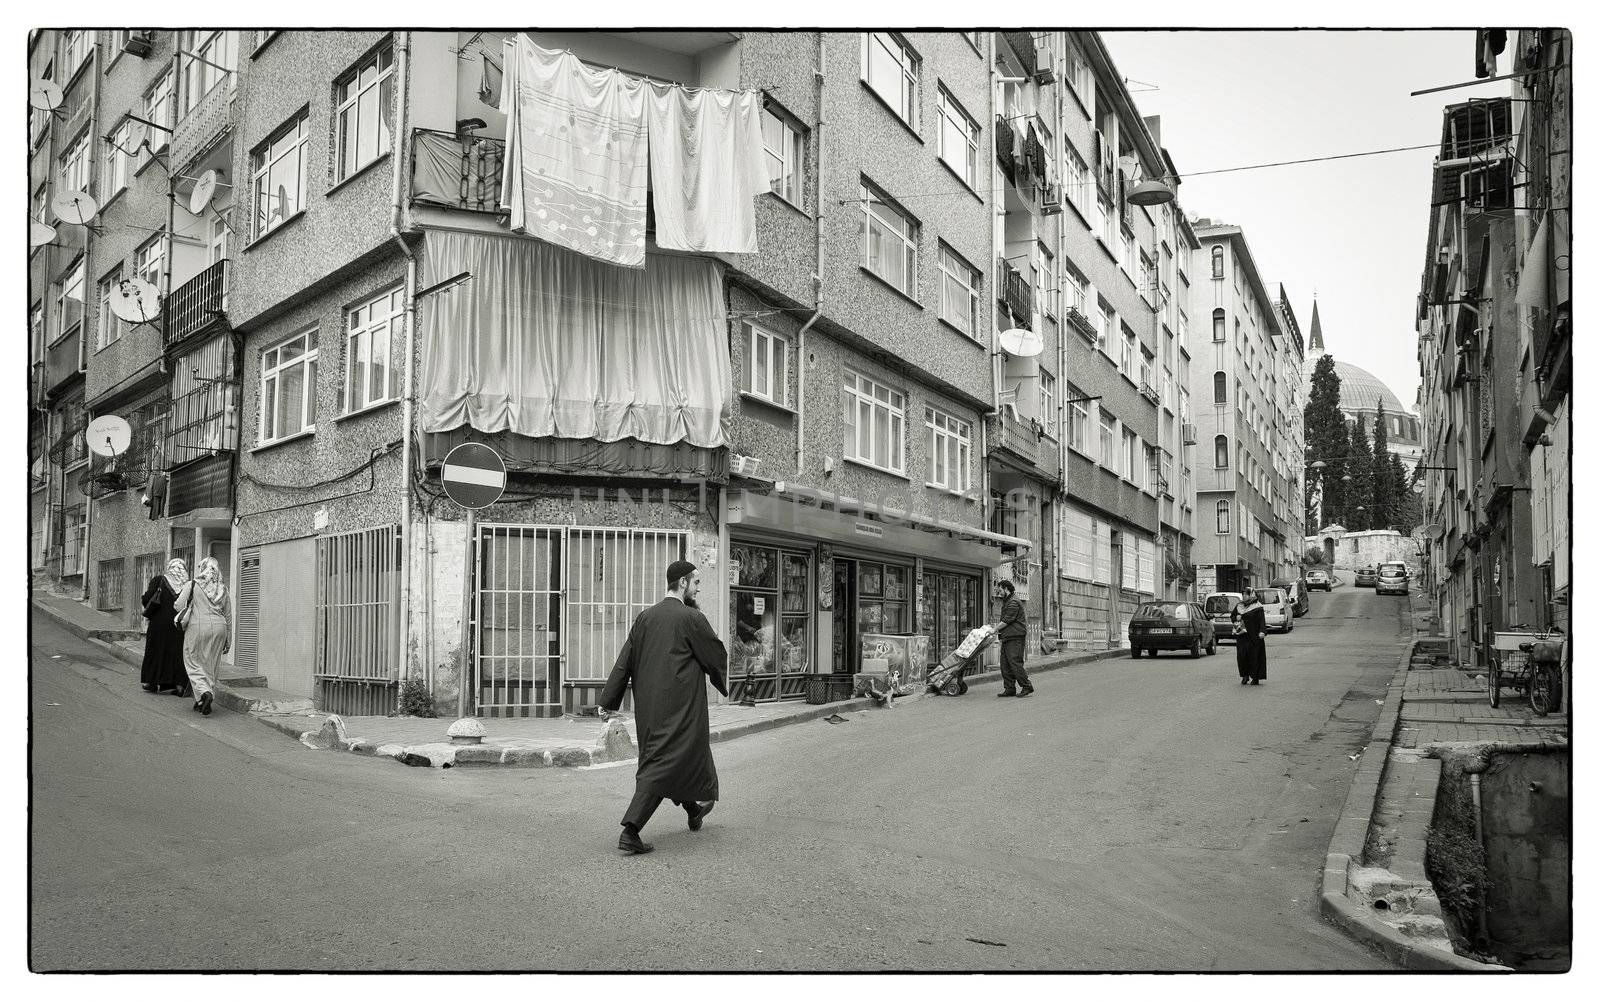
pixel 577 153
pixel 707 165
pixel 545 342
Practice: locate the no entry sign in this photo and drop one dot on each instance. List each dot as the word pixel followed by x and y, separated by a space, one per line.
pixel 474 475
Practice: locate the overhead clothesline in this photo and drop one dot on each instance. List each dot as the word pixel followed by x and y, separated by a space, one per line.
pixel 583 145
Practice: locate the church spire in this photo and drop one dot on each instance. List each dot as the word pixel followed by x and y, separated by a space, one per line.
pixel 1317 349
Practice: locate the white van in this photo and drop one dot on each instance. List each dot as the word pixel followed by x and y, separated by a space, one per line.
pixel 1219 606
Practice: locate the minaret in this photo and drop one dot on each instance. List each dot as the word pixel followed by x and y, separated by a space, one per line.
pixel 1317 350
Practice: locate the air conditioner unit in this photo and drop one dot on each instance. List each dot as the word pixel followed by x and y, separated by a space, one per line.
pixel 1045 77
pixel 1191 434
pixel 138 43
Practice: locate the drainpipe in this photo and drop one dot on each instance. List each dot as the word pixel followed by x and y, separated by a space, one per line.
pixel 997 243
pixel 397 217
pixel 816 279
pixel 83 333
pixel 1477 832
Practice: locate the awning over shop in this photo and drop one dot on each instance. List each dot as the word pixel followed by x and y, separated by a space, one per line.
pixel 841 520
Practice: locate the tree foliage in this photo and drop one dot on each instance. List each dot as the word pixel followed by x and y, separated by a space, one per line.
pixel 1358 492
pixel 1326 440
pixel 1385 489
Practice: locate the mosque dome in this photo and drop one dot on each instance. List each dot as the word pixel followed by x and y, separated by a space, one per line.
pixel 1361 392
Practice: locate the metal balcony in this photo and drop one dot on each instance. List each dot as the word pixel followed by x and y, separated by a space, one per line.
pixel 196 305
pixel 204 124
pixel 456 173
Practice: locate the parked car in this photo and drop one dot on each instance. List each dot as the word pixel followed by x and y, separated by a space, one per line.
pixel 1320 580
pixel 1218 608
pixel 1393 578
pixel 1367 577
pixel 1280 612
pixel 1171 626
pixel 1299 595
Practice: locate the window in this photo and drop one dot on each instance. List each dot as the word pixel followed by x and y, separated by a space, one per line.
pixel 216 239
pixel 972 40
pixel 1078 76
pixel 874 423
pixel 1130 351
pixel 1107 326
pixel 75 49
pixel 958 139
pixel 1223 513
pixel 888 242
pixel 196 78
pixel 1077 298
pixel 370 330
pixel 69 303
pixel 1222 452
pixel 118 156
pixel 36 332
pixel 766 367
pixel 949 450
pixel 149 259
pixel 1183 405
pixel 1046 299
pixel 1219 386
pixel 1219 326
pixel 784 142
pixel 108 327
pixel 1077 183
pixel 890 68
pixel 1147 277
pixel 364 99
pixel 158 109
pixel 264 35
pixel 289 388
pixel 1128 461
pixel 38 118
pixel 278 176
pixel 1047 401
pixel 960 285
pixel 77 170
pixel 1216 261
pixel 1077 419
pixel 1108 441
pixel 1183 329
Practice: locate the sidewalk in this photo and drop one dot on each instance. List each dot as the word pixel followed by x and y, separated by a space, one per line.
pixel 528 742
pixel 1374 880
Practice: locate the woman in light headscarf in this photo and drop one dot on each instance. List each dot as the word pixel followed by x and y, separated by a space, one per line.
pixel 203 610
pixel 163 643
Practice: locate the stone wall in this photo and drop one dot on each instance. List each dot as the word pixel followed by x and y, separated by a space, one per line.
pixel 1527 834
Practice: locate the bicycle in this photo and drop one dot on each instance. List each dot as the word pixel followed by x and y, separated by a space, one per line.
pixel 1528 660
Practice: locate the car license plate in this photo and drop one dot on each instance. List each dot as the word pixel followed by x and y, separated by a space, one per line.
pixel 1162 629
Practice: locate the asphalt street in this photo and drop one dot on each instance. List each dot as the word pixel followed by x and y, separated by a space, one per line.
pixel 1133 815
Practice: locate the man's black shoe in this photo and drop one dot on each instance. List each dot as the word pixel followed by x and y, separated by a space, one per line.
pixel 1002 695
pixel 631 844
pixel 702 808
pixel 1025 692
pixel 205 703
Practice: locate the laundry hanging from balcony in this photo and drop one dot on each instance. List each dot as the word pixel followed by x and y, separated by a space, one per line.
pixel 544 342
pixel 578 142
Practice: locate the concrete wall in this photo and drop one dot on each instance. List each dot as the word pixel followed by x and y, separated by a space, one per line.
pixel 1527 836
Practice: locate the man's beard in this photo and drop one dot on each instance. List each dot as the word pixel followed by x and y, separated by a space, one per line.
pixel 689 601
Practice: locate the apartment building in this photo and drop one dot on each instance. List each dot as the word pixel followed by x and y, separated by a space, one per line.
pixel 1290 422
pixel 1493 328
pixel 1241 539
pixel 814 421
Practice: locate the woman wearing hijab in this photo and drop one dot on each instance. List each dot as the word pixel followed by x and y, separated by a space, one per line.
pixel 203 612
pixel 163 642
pixel 1250 637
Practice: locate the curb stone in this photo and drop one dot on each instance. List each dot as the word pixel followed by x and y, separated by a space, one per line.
pixel 1349 842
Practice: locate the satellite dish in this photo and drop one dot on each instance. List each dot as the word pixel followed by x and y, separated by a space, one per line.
pixel 40 234
pixel 44 94
pixel 74 207
pixel 205 189
pixel 138 136
pixel 1019 342
pixel 108 435
pixel 135 301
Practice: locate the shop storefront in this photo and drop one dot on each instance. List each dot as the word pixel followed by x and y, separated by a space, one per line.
pixel 812 591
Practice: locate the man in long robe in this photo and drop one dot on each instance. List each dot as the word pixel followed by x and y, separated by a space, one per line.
pixel 670 651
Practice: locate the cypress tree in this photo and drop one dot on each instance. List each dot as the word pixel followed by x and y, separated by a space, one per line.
pixel 1326 440
pixel 1359 492
pixel 1385 493
pixel 1408 505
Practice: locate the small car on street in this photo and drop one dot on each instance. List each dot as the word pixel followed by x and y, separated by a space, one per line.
pixel 1319 580
pixel 1171 626
pixel 1299 595
pixel 1218 608
pixel 1280 613
pixel 1367 577
pixel 1393 578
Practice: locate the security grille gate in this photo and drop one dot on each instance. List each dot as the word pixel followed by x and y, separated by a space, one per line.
pixel 357 639
pixel 553 606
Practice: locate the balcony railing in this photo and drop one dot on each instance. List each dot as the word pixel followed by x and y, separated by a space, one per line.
pixel 194 305
pixel 200 127
pixel 457 173
pixel 1017 295
pixel 1082 324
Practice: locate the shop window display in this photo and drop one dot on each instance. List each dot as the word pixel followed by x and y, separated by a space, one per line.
pixel 769 652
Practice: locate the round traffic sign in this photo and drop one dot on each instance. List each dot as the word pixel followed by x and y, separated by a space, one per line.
pixel 474 475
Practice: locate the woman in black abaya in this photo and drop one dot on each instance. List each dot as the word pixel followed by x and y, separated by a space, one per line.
pixel 163 643
pixel 1250 637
